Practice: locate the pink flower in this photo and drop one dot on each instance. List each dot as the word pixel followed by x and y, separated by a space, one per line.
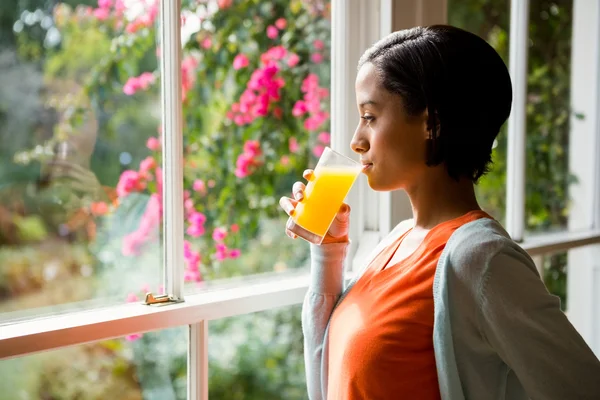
pixel 153 143
pixel 104 3
pixel 317 58
pixel 219 234
pixel 129 182
pixel 221 253
pixel 235 228
pixel 299 109
pixel 199 186
pixel 133 337
pixel 235 253
pixel 206 43
pixel 324 137
pixel 192 276
pixel 195 230
pixel 188 205
pixel 272 32
pixel 119 7
pixel 147 164
pixel 159 180
pixel 293 145
pixel 318 150
pixel 187 249
pixel 252 148
pixel 275 53
pixel 211 183
pixel 311 82
pixel 223 4
pixel 145 288
pixel 131 244
pixel 196 220
pixel 194 261
pixel 281 23
pixel 318 44
pixel 188 76
pixel 141 82
pixel 293 60
pixel 285 160
pixel 101 13
pixel 149 223
pixel 240 61
pixel 132 298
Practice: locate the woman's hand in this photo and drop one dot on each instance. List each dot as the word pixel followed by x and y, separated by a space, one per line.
pixel 338 231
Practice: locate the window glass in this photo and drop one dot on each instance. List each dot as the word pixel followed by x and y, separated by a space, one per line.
pixel 256 104
pixel 141 366
pixel 80 212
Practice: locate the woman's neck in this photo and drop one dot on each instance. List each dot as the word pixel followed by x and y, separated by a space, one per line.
pixel 437 198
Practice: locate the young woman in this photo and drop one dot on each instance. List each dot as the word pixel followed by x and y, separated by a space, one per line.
pixel 449 306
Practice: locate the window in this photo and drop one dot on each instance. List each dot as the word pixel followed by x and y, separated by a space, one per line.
pixel 543 185
pixel 197 152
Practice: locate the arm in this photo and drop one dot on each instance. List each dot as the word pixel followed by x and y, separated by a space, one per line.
pixel 525 326
pixel 326 283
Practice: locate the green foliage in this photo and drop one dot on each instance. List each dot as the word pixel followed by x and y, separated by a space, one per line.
pixel 548 114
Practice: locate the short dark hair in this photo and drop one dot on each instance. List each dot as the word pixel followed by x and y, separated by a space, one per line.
pixel 459 79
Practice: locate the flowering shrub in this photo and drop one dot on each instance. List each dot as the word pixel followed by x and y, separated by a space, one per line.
pixel 255 78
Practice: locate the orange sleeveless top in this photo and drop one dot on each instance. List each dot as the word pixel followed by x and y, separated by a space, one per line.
pixel 381 334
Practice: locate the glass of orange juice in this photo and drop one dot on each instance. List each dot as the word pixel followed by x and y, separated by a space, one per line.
pixel 329 185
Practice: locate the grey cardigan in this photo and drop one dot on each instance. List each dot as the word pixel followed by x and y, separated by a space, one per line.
pixel 498 333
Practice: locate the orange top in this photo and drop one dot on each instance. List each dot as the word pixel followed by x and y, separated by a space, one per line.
pixel 381 334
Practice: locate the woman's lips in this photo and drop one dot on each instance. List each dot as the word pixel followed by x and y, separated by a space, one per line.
pixel 367 166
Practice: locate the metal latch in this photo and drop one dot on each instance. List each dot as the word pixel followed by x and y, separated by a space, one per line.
pixel 161 300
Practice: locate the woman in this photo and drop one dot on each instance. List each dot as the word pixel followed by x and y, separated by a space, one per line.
pixel 449 306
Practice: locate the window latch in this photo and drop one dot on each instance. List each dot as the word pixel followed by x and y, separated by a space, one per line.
pixel 163 299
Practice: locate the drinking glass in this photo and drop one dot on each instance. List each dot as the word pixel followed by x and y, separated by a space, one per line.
pixel 325 192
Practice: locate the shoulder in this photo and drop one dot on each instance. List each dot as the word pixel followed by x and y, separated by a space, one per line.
pixel 478 247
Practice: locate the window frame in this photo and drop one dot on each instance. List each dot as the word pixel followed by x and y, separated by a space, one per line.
pixel 373 217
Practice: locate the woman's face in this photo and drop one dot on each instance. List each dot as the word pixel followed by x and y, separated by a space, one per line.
pixel 389 141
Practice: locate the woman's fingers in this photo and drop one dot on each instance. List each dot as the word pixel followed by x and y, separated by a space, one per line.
pixel 288 205
pixel 298 191
pixel 308 174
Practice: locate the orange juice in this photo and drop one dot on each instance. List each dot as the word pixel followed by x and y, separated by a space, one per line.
pixel 323 197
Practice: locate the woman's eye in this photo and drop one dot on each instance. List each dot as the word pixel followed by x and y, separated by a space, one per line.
pixel 368 118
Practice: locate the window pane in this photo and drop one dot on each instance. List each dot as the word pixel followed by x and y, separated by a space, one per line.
pixel 256 79
pixel 548 115
pixel 257 356
pixel 148 366
pixel 79 111
pixel 490 20
pixel 555 274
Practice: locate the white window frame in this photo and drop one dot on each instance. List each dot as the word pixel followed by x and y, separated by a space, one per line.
pixel 354 21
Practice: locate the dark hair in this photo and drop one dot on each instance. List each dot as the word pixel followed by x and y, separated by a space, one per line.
pixel 459 79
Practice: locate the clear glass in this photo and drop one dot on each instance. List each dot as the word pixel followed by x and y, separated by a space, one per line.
pixel 148 366
pixel 548 117
pixel 555 274
pixel 325 192
pixel 256 79
pixel 80 210
pixel 257 356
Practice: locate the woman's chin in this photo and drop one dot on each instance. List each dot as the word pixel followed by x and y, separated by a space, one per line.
pixel 382 186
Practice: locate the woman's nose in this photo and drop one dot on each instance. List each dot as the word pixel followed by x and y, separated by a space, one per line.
pixel 359 144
